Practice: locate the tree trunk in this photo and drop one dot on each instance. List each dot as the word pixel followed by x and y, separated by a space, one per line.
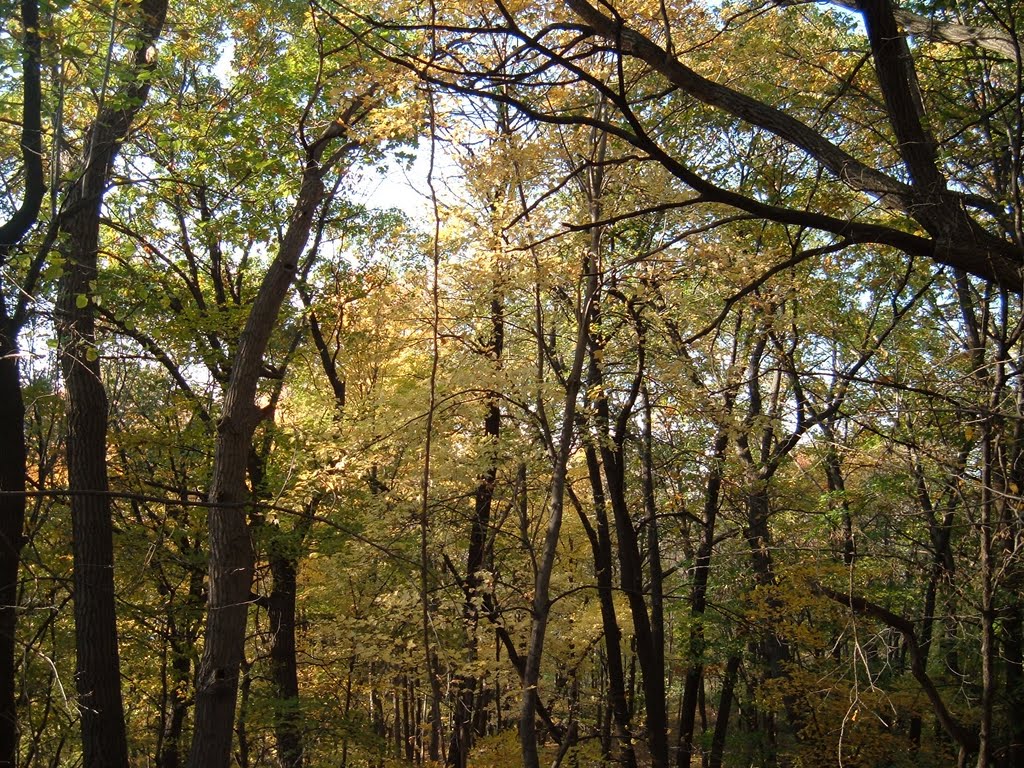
pixel 477 556
pixel 556 503
pixel 724 710
pixel 97 676
pixel 12 524
pixel 650 648
pixel 659 713
pixel 698 602
pixel 12 407
pixel 231 563
pixel 281 617
pixel 602 553
pixel 181 644
pixel 649 656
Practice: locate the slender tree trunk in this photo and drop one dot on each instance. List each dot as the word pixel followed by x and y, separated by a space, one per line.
pixel 347 709
pixel 182 644
pixel 407 720
pixel 12 407
pixel 649 648
pixel 12 524
pixel 604 568
pixel 724 711
pixel 477 556
pixel 560 447
pixel 986 567
pixel 652 663
pixel 231 563
pixel 942 565
pixel 556 503
pixel 611 445
pixel 430 658
pixel 698 602
pixel 658 715
pixel 653 544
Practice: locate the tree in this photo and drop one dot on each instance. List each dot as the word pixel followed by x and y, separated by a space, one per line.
pixel 927 206
pixel 687 425
pixel 12 416
pixel 104 741
pixel 231 554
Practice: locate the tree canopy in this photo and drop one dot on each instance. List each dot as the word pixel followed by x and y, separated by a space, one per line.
pixel 678 422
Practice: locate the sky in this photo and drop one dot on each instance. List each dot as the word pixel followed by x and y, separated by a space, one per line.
pixel 404 185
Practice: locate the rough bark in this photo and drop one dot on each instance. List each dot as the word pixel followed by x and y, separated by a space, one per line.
pixel 97 676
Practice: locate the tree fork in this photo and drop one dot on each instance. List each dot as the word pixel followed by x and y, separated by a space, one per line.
pixel 232 559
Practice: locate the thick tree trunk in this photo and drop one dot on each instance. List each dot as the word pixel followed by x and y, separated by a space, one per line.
pixel 232 559
pixel 97 676
pixel 1013 655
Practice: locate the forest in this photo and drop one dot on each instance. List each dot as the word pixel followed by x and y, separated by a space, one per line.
pixel 670 414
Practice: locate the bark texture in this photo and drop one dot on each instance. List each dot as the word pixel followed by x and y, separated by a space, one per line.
pixel 97 674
